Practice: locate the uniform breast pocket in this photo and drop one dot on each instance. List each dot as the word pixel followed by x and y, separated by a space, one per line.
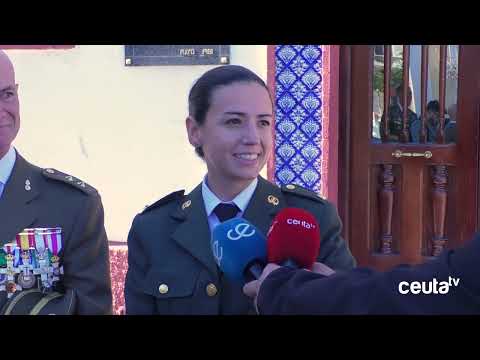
pixel 173 289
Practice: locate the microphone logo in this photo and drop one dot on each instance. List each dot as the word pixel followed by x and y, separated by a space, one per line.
pixel 241 230
pixel 217 252
pixel 302 223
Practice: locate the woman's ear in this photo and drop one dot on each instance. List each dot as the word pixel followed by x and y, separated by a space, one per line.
pixel 193 131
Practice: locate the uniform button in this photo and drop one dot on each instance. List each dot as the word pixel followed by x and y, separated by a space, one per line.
pixel 290 187
pixel 163 289
pixel 211 290
pixel 50 171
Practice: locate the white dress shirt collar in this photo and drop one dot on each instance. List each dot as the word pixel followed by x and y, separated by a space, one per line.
pixel 7 163
pixel 241 200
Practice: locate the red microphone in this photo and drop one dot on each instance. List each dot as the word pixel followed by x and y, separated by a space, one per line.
pixel 293 239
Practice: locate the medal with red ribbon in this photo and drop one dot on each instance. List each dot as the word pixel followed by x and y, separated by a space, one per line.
pixel 34 252
pixel 54 242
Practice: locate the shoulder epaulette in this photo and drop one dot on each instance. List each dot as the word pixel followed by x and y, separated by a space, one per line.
pixel 165 200
pixel 69 179
pixel 301 191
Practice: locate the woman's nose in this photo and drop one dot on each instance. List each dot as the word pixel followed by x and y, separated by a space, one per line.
pixel 251 134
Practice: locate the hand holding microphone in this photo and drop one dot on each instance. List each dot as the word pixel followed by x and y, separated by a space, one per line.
pixel 293 241
pixel 242 252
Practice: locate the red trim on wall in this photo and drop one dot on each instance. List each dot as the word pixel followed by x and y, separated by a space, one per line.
pixel 330 120
pixel 37 46
pixel 324 165
pixel 271 85
pixel 334 121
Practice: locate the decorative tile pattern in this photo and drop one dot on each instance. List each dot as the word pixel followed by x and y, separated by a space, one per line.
pixel 298 125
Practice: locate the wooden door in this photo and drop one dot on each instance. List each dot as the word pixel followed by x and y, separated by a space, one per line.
pixel 404 200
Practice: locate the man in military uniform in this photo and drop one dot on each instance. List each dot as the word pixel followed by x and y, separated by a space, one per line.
pixel 172 269
pixel 395 116
pixel 31 197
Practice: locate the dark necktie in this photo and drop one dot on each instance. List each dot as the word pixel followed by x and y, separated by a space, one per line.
pixel 226 211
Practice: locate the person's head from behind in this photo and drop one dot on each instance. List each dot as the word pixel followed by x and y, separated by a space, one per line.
pixel 399 93
pixel 452 112
pixel 9 105
pixel 230 124
pixel 433 111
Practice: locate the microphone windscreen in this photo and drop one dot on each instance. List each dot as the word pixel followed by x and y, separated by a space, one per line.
pixel 294 235
pixel 236 244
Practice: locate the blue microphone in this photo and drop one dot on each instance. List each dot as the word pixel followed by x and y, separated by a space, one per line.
pixel 239 249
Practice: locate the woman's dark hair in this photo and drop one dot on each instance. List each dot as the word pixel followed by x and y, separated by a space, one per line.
pixel 433 106
pixel 201 92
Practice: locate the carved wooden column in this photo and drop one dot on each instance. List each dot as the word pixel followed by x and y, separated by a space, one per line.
pixel 386 208
pixel 439 205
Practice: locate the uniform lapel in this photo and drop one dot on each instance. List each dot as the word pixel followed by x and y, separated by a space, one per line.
pixel 193 233
pixel 266 202
pixel 17 210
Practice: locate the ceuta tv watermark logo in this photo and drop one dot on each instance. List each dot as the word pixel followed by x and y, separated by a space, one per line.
pixel 428 287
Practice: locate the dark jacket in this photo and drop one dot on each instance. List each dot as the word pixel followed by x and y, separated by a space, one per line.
pixel 55 199
pixel 171 266
pixel 365 291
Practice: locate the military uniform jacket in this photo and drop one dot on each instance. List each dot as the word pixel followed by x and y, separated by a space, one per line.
pixel 35 197
pixel 365 291
pixel 171 266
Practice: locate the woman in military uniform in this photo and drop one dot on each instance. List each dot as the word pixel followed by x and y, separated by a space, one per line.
pixel 171 266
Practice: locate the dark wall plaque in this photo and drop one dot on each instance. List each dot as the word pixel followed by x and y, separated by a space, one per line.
pixel 142 55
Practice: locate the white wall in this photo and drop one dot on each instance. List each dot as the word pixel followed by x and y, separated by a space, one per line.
pixel 121 129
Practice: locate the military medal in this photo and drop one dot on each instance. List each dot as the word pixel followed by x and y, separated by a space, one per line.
pixel 3 270
pixel 45 270
pixel 11 251
pixel 3 280
pixel 32 260
pixel 3 260
pixel 25 240
pixel 26 281
pixel 11 287
pixel 54 243
pixel 17 261
pixel 9 254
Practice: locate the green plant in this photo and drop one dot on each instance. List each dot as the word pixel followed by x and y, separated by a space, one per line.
pixel 396 76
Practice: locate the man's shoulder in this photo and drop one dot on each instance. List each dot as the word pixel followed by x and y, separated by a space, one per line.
pixel 57 178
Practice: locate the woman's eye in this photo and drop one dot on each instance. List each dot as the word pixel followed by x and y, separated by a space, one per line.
pixel 234 121
pixel 265 122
